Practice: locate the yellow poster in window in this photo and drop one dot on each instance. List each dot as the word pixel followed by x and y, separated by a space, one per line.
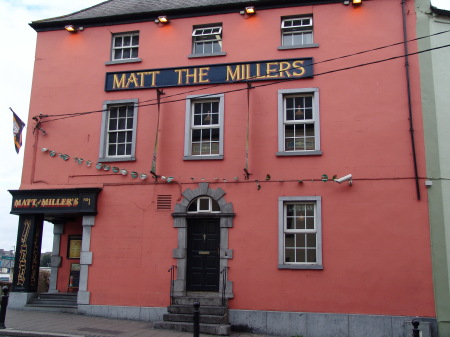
pixel 74 248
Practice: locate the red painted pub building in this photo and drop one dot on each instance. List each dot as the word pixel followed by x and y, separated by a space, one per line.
pixel 263 157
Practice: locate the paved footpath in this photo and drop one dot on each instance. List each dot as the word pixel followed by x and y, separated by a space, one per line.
pixel 31 323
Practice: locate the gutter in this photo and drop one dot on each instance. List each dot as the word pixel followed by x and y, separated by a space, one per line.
pixel 410 115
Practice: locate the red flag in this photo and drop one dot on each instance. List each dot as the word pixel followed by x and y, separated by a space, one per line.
pixel 18 126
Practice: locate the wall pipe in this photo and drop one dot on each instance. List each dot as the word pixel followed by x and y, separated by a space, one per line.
pixel 408 83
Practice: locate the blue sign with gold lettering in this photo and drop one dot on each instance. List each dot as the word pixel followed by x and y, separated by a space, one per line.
pixel 287 69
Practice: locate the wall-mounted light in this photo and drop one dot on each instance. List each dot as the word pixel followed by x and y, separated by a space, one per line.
pixel 250 10
pixel 162 19
pixel 73 28
pixel 353 2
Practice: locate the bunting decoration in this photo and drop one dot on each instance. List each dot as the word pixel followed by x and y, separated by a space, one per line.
pixel 18 126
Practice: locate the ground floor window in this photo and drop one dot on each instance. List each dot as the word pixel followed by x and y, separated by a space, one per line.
pixel 300 233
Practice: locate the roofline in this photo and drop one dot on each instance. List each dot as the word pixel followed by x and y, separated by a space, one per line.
pixel 44 25
pixel 443 12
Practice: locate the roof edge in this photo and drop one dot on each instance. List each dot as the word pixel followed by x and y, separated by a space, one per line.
pixel 44 25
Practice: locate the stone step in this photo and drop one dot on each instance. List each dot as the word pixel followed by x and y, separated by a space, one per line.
pixel 188 318
pixel 204 310
pixel 204 301
pixel 58 308
pixel 211 329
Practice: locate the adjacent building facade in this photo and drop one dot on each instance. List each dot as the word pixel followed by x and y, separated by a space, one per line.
pixel 433 24
pixel 274 160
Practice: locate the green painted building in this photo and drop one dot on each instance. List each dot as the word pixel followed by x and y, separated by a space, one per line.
pixel 433 26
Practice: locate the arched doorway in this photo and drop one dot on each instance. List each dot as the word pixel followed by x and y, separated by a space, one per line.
pixel 203 219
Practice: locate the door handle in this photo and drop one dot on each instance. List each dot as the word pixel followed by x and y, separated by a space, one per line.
pixel 203 252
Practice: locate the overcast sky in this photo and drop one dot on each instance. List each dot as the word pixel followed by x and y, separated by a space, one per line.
pixel 16 68
pixel 16 71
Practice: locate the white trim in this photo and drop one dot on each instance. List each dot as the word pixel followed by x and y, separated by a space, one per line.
pixel 281 121
pixel 188 126
pixel 317 200
pixel 103 152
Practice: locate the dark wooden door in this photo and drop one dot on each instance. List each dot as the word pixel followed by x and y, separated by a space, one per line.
pixel 203 259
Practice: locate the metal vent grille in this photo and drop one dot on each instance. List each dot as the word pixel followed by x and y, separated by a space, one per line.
pixel 164 202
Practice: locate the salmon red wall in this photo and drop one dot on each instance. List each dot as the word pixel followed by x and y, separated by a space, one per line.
pixel 375 233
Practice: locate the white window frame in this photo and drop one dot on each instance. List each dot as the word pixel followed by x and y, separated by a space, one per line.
pixel 122 48
pixel 198 209
pixel 289 28
pixel 189 125
pixel 202 35
pixel 282 122
pixel 282 230
pixel 103 153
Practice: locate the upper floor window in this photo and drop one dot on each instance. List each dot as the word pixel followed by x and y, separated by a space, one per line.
pixel 207 41
pixel 118 133
pixel 204 127
pixel 125 46
pixel 297 32
pixel 298 122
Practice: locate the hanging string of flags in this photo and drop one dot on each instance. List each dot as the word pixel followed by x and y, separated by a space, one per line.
pixel 168 179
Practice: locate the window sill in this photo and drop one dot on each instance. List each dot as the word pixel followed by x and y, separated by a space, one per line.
pixel 207 55
pixel 109 63
pixel 301 266
pixel 299 153
pixel 301 46
pixel 112 160
pixel 219 157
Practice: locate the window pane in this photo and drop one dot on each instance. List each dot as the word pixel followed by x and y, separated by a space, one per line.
pixel 206 148
pixel 301 255
pixel 204 204
pixel 300 240
pixel 207 47
pixel 311 240
pixel 134 52
pixel 289 255
pixel 215 148
pixel 128 149
pixel 112 124
pixel 310 144
pixel 289 241
pixel 309 223
pixel 117 54
pixel 117 41
pixel 121 149
pixel 126 40
pixel 300 222
pixel 215 134
pixel 289 223
pixel 299 130
pixel 196 134
pixel 307 38
pixel 135 41
pixel 311 256
pixel 193 206
pixel 126 53
pixel 195 149
pixel 111 150
pixel 129 136
pixel 121 123
pixel 215 206
pixel 113 137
